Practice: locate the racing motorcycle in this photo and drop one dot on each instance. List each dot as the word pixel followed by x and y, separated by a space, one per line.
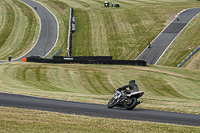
pixel 125 98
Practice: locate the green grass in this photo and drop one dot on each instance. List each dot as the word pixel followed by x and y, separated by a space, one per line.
pixel 165 88
pixel 8 22
pixel 22 120
pixel 83 30
pixel 19 29
pixel 192 63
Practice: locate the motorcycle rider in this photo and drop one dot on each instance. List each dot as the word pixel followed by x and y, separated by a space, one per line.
pixel 178 18
pixel 9 58
pixel 149 45
pixel 132 87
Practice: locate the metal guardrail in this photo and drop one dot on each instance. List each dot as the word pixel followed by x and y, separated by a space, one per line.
pixel 71 30
pixel 69 48
pixel 188 57
pixel 56 54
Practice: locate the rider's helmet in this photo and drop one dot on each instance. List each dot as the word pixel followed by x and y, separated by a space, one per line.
pixel 132 81
pixel 131 84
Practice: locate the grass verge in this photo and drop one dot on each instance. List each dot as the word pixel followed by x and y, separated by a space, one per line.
pixel 8 22
pixel 23 120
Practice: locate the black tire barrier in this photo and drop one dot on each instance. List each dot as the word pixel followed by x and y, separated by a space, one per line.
pixel 116 5
pixel 82 57
pixel 86 60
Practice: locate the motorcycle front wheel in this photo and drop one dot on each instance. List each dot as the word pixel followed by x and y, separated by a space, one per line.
pixel 111 103
pixel 131 104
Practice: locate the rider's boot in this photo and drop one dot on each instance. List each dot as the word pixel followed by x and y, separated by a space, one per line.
pixel 139 102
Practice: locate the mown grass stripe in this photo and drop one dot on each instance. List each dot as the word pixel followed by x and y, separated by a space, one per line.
pixel 26 120
pixel 21 32
pixel 82 45
pixel 101 78
pixel 30 33
pixel 9 22
pixel 2 16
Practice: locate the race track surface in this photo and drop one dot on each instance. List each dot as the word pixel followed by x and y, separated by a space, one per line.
pixel 97 110
pixel 49 30
pixel 167 36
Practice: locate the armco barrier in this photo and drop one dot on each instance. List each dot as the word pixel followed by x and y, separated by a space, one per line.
pixel 188 57
pixel 73 24
pixel 56 54
pixel 98 60
pixel 69 49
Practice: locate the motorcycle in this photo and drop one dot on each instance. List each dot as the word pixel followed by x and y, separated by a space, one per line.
pixel 9 58
pixel 125 98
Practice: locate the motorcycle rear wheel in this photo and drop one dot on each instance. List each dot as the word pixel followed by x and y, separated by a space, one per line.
pixel 132 104
pixel 111 103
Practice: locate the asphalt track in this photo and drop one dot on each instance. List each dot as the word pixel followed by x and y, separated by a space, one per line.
pixel 161 43
pixel 97 110
pixel 48 31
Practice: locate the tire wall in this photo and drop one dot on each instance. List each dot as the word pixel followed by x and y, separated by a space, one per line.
pixel 86 60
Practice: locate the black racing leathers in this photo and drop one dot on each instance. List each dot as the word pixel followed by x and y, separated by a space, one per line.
pixel 132 86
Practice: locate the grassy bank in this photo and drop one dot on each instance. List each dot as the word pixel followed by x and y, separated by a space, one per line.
pixel 193 63
pixel 7 22
pixel 19 29
pixel 40 121
pixel 165 88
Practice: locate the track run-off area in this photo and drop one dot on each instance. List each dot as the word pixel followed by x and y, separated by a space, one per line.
pixel 49 34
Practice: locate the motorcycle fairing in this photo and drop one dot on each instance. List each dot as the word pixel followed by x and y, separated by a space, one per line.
pixel 117 94
pixel 136 94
